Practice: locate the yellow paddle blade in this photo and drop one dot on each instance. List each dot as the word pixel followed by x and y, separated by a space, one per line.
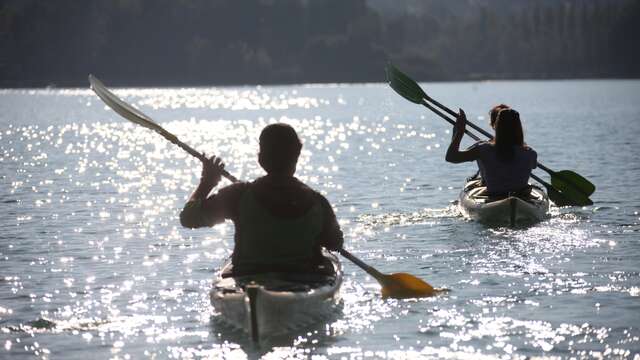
pixel 398 285
pixel 404 286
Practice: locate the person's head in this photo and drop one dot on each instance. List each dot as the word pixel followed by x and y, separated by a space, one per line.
pixel 509 133
pixel 493 113
pixel 279 149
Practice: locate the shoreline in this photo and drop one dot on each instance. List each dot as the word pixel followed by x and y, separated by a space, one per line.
pixel 73 84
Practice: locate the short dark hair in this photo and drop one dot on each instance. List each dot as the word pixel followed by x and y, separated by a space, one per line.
pixel 279 147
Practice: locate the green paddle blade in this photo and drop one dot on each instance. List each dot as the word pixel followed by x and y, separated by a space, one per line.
pixel 564 179
pixel 404 85
pixel 558 198
pixel 567 197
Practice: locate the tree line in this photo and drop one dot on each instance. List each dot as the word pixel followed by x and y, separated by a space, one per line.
pixel 221 42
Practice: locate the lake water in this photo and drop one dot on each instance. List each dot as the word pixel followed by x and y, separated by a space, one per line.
pixel 94 263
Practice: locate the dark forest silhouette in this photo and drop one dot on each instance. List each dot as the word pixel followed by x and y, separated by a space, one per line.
pixel 205 42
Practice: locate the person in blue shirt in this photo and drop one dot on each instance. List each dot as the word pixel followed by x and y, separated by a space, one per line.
pixel 505 162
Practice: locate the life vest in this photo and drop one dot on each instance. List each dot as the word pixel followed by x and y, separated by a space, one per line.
pixel 266 240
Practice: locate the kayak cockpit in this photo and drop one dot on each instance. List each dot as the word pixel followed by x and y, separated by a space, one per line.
pixel 526 206
pixel 275 303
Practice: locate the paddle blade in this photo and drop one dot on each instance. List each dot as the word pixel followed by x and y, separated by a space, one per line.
pixel 404 286
pixel 557 197
pixel 566 178
pixel 119 106
pixel 404 85
pixel 567 197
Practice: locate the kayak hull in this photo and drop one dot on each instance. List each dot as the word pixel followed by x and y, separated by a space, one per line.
pixel 510 210
pixel 271 304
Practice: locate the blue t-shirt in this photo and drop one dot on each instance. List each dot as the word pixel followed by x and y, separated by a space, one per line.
pixel 502 176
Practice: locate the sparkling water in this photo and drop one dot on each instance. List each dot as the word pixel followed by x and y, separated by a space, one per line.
pixel 94 263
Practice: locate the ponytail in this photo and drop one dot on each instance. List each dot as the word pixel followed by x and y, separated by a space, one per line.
pixel 509 134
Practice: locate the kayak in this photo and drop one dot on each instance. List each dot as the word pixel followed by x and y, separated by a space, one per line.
pixel 270 304
pixel 514 209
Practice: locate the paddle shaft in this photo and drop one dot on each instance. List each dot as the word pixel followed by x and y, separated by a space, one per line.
pixel 468 132
pixel 200 156
pixel 172 138
pixel 368 269
pixel 137 117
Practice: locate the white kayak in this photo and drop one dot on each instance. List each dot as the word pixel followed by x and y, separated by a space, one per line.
pixel 512 210
pixel 276 303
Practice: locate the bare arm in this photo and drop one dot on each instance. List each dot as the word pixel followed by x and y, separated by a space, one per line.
pixel 195 214
pixel 454 154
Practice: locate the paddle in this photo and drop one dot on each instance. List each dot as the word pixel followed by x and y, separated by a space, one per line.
pixel 399 285
pixel 566 188
pixel 134 115
pixel 409 89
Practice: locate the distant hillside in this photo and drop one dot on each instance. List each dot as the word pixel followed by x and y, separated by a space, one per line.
pixel 486 39
pixel 206 42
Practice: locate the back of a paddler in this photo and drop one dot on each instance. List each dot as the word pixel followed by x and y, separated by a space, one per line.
pixel 281 223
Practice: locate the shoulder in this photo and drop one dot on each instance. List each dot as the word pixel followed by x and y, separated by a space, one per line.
pixel 481 146
pixel 529 150
pixel 316 194
pixel 234 189
pixel 321 202
pixel 296 183
pixel 231 194
pixel 530 155
pixel 479 150
pixel 322 199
